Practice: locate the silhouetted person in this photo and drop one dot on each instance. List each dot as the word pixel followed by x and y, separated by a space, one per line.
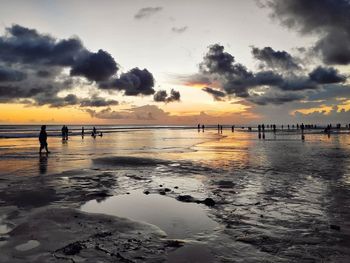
pixel 233 128
pixel 302 127
pixel 274 128
pixel 218 128
pixel 63 130
pixel 66 133
pixel 288 127
pixel 297 126
pixel 203 127
pixel 263 130
pixel 101 134
pixel 43 139
pixel 82 131
pixel 198 127
pixel 94 131
pixel 259 131
pixel 221 128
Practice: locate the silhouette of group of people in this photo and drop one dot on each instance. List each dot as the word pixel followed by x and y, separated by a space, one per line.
pixel 219 128
pixel 94 133
pixel 64 133
pixel 199 127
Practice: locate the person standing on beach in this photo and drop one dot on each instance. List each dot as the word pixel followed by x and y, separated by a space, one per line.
pixel 82 132
pixel 302 127
pixel 66 133
pixel 203 127
pixel 63 130
pixel 43 139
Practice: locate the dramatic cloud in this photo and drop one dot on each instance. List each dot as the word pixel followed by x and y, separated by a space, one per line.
pixel 152 114
pixel 7 74
pixel 95 66
pixel 143 113
pixel 279 79
pixel 323 117
pixel 35 68
pixel 217 94
pixel 326 75
pixel 96 101
pixel 272 59
pixel 147 12
pixel 273 97
pixel 135 82
pixel 179 29
pixel 162 96
pixel 218 61
pixel 329 19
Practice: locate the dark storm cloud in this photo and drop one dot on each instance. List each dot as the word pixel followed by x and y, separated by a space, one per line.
pixel 8 75
pixel 280 80
pixel 96 101
pixel 95 66
pixel 274 59
pixel 324 75
pixel 217 61
pixel 33 66
pixel 147 12
pixel 69 100
pixel 27 46
pixel 217 94
pixel 275 98
pixel 162 96
pixel 134 82
pixel 298 84
pixel 179 29
pixel 329 19
pixel 329 92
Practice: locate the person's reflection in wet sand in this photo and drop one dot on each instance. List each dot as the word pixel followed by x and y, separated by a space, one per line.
pixel 43 163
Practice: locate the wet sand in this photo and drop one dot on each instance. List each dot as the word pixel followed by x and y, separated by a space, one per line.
pixel 176 196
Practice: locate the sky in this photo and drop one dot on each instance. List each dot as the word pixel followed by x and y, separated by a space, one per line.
pixel 174 62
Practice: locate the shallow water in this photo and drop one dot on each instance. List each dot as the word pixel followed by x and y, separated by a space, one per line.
pixel 177 220
pixel 276 199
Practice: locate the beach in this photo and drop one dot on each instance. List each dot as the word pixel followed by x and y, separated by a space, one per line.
pixel 175 194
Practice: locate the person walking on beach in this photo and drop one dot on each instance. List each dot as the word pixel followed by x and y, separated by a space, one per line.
pixel 203 127
pixel 82 132
pixel 43 139
pixel 199 127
